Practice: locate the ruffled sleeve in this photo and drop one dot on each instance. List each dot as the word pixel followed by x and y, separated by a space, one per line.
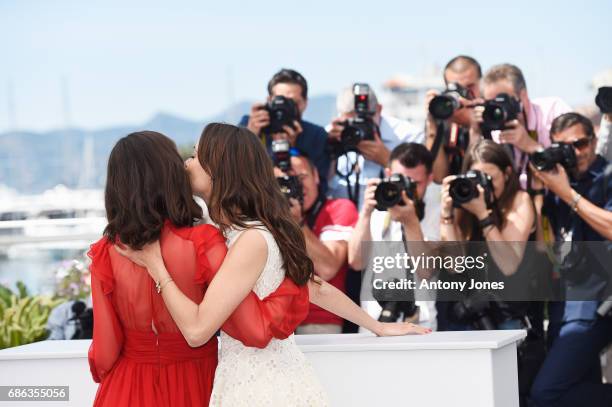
pixel 107 338
pixel 101 264
pixel 256 321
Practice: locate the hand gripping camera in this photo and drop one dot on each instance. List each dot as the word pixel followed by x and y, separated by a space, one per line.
pixel 283 112
pixel 557 153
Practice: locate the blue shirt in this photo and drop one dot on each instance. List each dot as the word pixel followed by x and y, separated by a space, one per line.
pixel 563 219
pixel 312 142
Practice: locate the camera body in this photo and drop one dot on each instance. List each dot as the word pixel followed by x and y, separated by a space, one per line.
pixel 361 127
pixel 281 154
pixel 389 193
pixel 557 153
pixel 291 187
pixel 603 100
pixel 355 130
pixel 499 110
pixel 393 310
pixel 283 112
pixel 443 106
pixel 464 188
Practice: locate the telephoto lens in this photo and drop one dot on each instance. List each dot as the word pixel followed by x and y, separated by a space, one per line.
pixel 557 153
pixel 283 112
pixel 389 192
pixel 464 188
pixel 500 110
pixel 443 106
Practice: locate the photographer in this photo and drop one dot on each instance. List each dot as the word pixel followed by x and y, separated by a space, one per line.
pixel 491 208
pixel 281 118
pixel 579 208
pixel 327 225
pixel 370 155
pixel 527 129
pixel 448 135
pixel 400 222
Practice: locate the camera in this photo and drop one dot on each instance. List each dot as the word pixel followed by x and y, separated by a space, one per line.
pixel 356 130
pixel 361 127
pixel 500 110
pixel 281 154
pixel 392 310
pixel 483 311
pixel 603 100
pixel 283 112
pixel 291 187
pixel 557 153
pixel 389 193
pixel 464 188
pixel 443 106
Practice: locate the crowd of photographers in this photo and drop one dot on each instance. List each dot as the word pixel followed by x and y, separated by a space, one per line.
pixel 492 165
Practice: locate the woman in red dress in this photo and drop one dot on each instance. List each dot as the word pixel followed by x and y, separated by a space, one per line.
pixel 138 355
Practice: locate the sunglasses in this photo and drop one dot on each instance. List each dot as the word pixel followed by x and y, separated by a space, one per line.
pixel 582 143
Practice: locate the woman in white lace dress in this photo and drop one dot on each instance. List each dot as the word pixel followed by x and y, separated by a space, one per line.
pixel 233 174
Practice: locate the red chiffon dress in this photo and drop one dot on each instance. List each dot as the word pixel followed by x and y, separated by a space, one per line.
pixel 138 354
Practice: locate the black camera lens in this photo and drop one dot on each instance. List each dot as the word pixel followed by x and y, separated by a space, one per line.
pixel 500 110
pixel 388 194
pixel 442 107
pixel 464 188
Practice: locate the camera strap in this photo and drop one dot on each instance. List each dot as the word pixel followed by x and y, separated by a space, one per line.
pixel 435 148
pixel 313 213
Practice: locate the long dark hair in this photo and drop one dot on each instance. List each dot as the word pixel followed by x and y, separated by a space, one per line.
pixel 146 184
pixel 488 151
pixel 244 188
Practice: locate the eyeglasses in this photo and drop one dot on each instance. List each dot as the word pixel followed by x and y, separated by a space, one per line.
pixel 582 143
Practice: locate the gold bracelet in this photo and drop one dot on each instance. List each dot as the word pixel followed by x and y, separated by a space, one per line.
pixel 159 286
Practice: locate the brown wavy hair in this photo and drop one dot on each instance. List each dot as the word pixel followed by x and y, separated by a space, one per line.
pixel 146 184
pixel 488 151
pixel 244 189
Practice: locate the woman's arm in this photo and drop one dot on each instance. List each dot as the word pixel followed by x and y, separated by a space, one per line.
pixel 333 300
pixel 235 279
pixel 107 340
pixel 507 245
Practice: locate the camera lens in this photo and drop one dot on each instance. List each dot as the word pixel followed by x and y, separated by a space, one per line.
pixel 493 114
pixel 462 190
pixel 387 195
pixel 442 107
pixel 539 160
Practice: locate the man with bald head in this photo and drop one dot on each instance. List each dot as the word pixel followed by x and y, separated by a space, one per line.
pixel 466 72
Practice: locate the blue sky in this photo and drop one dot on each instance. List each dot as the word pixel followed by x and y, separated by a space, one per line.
pixel 122 63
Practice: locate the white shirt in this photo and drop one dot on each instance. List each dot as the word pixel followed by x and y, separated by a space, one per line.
pixel 430 225
pixel 392 133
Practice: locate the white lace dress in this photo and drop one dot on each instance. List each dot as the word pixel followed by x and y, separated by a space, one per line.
pixel 277 375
